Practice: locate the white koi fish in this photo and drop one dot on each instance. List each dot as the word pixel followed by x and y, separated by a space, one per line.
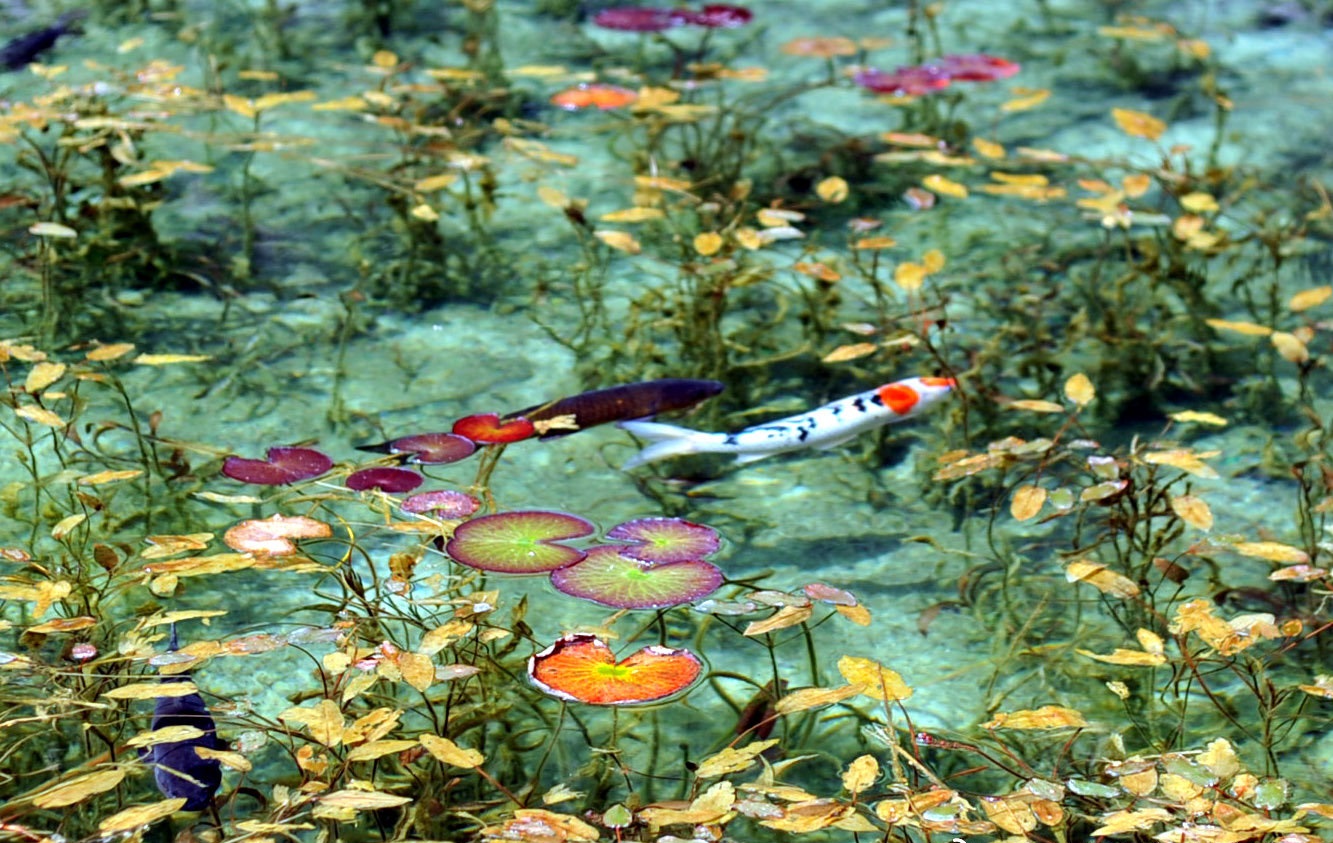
pixel 821 428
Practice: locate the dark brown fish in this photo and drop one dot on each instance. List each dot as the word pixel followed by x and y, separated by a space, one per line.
pixel 23 50
pixel 177 769
pixel 617 403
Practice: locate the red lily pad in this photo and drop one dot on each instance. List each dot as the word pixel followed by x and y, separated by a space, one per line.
pixel 976 67
pixel 637 19
pixel 582 668
pixel 487 429
pixel 718 16
pixel 665 539
pixel 284 465
pixel 442 503
pixel 386 478
pixel 599 95
pixel 520 542
pixel 610 578
pixel 432 448
pixel 905 81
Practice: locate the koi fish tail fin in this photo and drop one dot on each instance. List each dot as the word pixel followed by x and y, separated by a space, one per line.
pixel 667 440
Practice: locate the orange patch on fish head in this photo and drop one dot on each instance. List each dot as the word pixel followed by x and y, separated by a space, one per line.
pixel 898 398
pixel 949 382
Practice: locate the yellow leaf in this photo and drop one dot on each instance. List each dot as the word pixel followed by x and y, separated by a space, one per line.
pixel 378 749
pixel 945 187
pixel 933 260
pixel 1036 406
pixel 1101 578
pixel 1126 657
pixel 856 614
pixel 39 415
pixel 67 524
pixel 110 351
pixel 1121 822
pixel 440 637
pixel 323 720
pixel 781 619
pixel 853 351
pixel 832 189
pixel 1272 551
pixel 1199 203
pixel 1220 759
pixel 1306 299
pixel 168 734
pixel 1138 124
pixel 1046 717
pixel 363 800
pixel 433 183
pixel 860 774
pixel 1199 418
pixel 1027 98
pixel 732 760
pixel 52 229
pixel 620 240
pixel 1193 511
pixel 1290 347
pixel 151 690
pixel 632 215
pixel 1009 813
pixel 79 788
pixel 1080 390
pixel 102 477
pixel 167 359
pixel 231 760
pixel 1247 328
pixel 1136 184
pixel 909 276
pixel 876 680
pixel 1027 502
pixel 875 243
pixel 448 752
pixel 42 375
pixel 807 698
pixel 1182 459
pixel 988 149
pixel 63 625
pixel 140 815
pixel 418 670
pixel 707 243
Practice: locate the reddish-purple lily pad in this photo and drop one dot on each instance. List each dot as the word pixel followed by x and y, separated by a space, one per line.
pixel 717 16
pixel 609 577
pixel 442 503
pixel 637 19
pixel 665 539
pixel 489 429
pixel 386 478
pixel 432 448
pixel 284 465
pixel 521 542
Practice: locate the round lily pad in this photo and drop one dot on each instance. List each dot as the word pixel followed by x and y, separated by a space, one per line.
pixel 284 465
pixel 665 539
pixel 442 503
pixel 609 577
pixel 385 478
pixel 520 542
pixel 487 429
pixel 582 668
pixel 433 448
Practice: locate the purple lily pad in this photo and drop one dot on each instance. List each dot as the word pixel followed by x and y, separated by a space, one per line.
pixel 442 503
pixel 432 448
pixel 521 542
pixel 637 19
pixel 386 478
pixel 284 465
pixel 718 16
pixel 608 577
pixel 664 540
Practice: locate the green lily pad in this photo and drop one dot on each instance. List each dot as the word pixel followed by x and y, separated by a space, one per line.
pixel 609 577
pixel 521 542
pixel 665 539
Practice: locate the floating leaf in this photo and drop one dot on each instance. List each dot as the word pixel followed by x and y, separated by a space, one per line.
pixel 875 680
pixel 520 542
pixel 582 668
pixel 860 774
pixel 621 241
pixel 362 800
pixel 1183 459
pixel 610 577
pixel 283 465
pixel 273 535
pixel 168 359
pixel 487 429
pixel 787 616
pixel 442 503
pixel 63 625
pixel 429 448
pixel 109 351
pixel 1126 657
pixel 665 539
pixel 385 478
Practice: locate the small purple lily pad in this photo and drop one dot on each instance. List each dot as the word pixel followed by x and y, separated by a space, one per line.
pixel 665 540
pixel 608 577
pixel 433 448
pixel 637 19
pixel 521 542
pixel 386 478
pixel 442 503
pixel 284 465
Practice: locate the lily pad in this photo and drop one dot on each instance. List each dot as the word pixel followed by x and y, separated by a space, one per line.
pixel 520 542
pixel 609 577
pixel 487 429
pixel 432 448
pixel 665 539
pixel 284 465
pixel 582 668
pixel 385 478
pixel 442 503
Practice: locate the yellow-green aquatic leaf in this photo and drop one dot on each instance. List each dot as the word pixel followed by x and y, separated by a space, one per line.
pixel 1183 459
pixel 323 720
pixel 39 415
pixel 168 734
pixel 1122 822
pixel 1247 328
pixel 876 680
pixel 945 187
pixel 785 617
pixel 852 351
pixel 1101 578
pixel 1199 203
pixel 1025 99
pixel 1027 502
pixel 633 215
pixel 1322 687
pixel 52 229
pixel 909 276
pixel 1125 657
pixel 620 240
pixel 67 524
pixel 988 149
pixel 807 698
pixel 1009 813
pixel 1045 717
pixel 140 815
pixel 732 760
pixel 1290 347
pixel 1306 299
pixel 1196 417
pixel 1193 511
pixel 707 243
pixel 63 625
pixel 103 477
pixel 151 690
pixel 167 359
pixel 1036 405
pixel 79 788
pixel 1080 390
pixel 231 760
pixel 110 351
pixel 442 636
pixel 379 749
pixel 433 183
pixel 362 800
pixel 1138 124
pixel 833 189
pixel 43 375
pixel 860 774
pixel 1272 551
pixel 448 752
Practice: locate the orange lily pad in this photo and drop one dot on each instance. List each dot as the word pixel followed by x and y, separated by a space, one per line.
pixel 488 429
pixel 582 668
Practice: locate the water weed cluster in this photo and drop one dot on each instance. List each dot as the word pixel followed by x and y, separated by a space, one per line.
pixel 479 628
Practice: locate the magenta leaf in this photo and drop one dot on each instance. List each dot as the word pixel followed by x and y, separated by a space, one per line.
pixel 608 577
pixel 385 478
pixel 284 465
pixel 520 542
pixel 665 540
pixel 442 503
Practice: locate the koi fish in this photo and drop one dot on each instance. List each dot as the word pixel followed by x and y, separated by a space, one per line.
pixel 821 428
pixel 178 770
